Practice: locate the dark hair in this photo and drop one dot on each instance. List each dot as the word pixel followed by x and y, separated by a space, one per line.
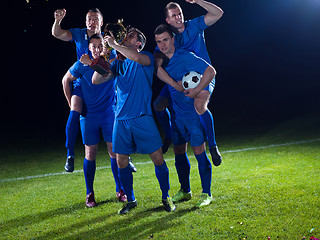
pixel 96 36
pixel 96 10
pixel 170 5
pixel 141 37
pixel 163 28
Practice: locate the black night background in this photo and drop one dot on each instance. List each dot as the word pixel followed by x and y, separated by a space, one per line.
pixel 266 53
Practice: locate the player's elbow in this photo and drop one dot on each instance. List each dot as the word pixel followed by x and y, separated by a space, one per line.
pixel 211 71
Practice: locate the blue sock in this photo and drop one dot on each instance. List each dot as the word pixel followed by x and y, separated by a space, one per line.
pixel 162 173
pixel 205 171
pixel 164 118
pixel 183 169
pixel 126 179
pixel 115 172
pixel 89 169
pixel 72 129
pixel 206 120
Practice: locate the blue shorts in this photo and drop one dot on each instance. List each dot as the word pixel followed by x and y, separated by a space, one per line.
pixel 76 88
pixel 137 135
pixel 188 130
pixel 91 125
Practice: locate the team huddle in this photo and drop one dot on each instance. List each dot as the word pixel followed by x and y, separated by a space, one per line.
pixel 118 103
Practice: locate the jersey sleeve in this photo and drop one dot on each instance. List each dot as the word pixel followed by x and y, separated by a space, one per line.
pixel 198 23
pixel 75 69
pixel 194 62
pixel 75 34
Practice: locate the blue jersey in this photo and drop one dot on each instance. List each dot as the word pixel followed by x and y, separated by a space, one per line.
pixel 81 38
pixel 192 38
pixel 98 98
pixel 134 88
pixel 178 65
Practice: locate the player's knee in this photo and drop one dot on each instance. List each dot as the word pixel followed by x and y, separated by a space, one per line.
pixel 180 149
pixel 160 103
pixel 91 152
pixel 199 149
pixel 76 104
pixel 200 107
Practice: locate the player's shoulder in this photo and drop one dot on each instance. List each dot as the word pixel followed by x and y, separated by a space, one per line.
pixel 197 22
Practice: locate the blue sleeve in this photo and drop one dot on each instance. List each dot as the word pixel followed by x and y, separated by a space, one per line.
pixel 198 23
pixel 194 62
pixel 113 54
pixel 113 67
pixel 75 34
pixel 75 69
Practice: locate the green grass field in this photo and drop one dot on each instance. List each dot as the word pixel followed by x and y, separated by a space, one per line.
pixel 268 187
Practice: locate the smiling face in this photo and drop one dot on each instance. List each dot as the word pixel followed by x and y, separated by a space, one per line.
pixel 96 47
pixel 175 19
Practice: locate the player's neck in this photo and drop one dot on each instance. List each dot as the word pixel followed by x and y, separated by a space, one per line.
pixel 170 54
pixel 178 30
pixel 90 33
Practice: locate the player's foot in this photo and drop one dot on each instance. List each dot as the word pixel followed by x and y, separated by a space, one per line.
pixel 133 168
pixel 216 156
pixel 121 196
pixel 69 166
pixel 166 144
pixel 168 205
pixel 90 201
pixel 204 200
pixel 181 196
pixel 128 206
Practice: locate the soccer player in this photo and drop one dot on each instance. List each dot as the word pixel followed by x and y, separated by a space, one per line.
pixel 186 122
pixel 100 102
pixel 134 128
pixel 94 21
pixel 81 36
pixel 189 35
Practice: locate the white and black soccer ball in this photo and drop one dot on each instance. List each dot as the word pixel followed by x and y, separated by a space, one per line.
pixel 191 80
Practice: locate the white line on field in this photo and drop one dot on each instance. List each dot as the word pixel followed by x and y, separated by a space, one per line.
pixel 170 159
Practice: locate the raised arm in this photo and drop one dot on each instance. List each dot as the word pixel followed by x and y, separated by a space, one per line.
pixel 66 80
pixel 132 54
pixel 57 31
pixel 97 78
pixel 214 12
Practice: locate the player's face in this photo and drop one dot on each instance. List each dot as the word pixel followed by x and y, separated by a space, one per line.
pixel 93 21
pixel 96 47
pixel 131 40
pixel 165 43
pixel 175 18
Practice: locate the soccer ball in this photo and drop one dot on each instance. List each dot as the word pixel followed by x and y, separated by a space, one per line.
pixel 191 80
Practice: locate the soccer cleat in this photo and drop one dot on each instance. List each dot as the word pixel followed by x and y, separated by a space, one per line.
pixel 90 201
pixel 128 206
pixel 166 145
pixel 69 166
pixel 216 156
pixel 121 196
pixel 181 196
pixel 205 200
pixel 133 168
pixel 168 205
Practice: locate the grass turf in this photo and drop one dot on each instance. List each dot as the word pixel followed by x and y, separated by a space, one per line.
pixel 258 193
